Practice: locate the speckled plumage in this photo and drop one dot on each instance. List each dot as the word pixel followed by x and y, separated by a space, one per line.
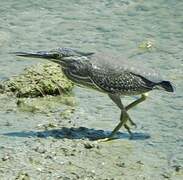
pixel 110 75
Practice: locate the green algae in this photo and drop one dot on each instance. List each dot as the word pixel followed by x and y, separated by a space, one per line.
pixel 146 45
pixel 38 80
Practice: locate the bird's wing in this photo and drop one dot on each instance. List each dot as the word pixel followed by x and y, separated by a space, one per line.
pixel 123 82
pixel 118 65
pixel 113 75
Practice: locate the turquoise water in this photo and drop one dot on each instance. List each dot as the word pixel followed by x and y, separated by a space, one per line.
pixel 120 28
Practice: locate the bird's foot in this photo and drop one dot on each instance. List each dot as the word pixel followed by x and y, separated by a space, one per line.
pixel 103 140
pixel 129 131
pixel 106 139
pixel 133 124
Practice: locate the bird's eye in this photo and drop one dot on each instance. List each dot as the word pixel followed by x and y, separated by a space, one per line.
pixel 74 67
pixel 56 55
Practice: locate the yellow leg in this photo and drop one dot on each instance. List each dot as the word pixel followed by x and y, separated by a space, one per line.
pixel 143 98
pixel 129 131
pixel 123 119
pixel 124 116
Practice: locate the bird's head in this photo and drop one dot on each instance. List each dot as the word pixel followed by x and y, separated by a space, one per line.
pixel 63 56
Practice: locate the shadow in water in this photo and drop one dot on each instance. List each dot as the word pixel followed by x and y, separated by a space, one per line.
pixel 76 133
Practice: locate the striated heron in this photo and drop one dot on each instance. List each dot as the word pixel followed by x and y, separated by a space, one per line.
pixel 107 74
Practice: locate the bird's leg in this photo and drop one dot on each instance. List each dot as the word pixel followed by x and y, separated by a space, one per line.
pixel 123 118
pixel 131 122
pixel 117 101
pixel 129 131
pixel 131 105
pixel 143 98
pixel 124 122
pixel 124 115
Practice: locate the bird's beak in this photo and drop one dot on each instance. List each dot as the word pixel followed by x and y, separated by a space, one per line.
pixel 50 55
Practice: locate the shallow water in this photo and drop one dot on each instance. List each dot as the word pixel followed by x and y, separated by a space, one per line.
pixel 120 28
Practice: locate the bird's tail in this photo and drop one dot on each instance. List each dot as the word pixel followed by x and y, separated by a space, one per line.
pixel 165 85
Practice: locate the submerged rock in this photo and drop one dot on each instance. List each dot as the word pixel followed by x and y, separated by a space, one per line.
pixel 38 80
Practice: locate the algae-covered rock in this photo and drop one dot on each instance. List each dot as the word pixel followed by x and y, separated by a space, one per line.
pixel 38 80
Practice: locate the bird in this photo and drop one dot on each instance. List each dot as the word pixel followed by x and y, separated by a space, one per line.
pixel 108 74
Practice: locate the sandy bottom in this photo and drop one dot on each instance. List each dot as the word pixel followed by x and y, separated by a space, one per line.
pixel 50 143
